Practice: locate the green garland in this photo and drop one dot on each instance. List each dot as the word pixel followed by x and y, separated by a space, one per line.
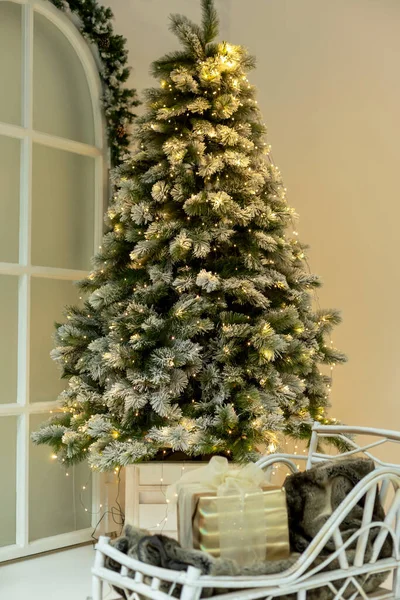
pixel 94 23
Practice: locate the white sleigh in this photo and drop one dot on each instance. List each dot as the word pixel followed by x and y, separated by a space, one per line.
pixel 155 583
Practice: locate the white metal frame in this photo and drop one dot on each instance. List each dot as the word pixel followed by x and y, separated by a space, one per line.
pixel 24 269
pixel 145 581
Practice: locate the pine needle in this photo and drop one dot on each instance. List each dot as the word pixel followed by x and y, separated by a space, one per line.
pixel 210 21
pixel 188 33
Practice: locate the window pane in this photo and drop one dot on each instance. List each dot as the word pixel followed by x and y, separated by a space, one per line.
pixel 62 510
pixel 10 62
pixel 63 209
pixel 9 196
pixel 8 436
pixel 48 300
pixel 61 98
pixel 8 338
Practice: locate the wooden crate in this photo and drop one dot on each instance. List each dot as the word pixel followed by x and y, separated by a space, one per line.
pixel 145 494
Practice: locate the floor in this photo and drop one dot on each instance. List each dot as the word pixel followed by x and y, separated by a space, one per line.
pixel 59 576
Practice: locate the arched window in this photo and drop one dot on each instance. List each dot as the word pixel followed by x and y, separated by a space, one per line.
pixel 52 193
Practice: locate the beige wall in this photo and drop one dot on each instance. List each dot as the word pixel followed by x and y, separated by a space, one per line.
pixel 329 86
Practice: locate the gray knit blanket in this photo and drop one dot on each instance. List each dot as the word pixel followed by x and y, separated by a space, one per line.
pixel 311 497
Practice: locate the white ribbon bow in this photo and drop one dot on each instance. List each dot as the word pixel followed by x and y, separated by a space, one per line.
pixel 218 475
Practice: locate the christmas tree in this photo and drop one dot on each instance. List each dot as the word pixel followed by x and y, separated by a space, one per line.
pixel 197 333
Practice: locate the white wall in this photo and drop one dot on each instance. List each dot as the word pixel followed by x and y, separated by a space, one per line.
pixel 329 86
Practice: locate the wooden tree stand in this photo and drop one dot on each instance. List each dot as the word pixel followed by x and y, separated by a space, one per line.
pixel 145 494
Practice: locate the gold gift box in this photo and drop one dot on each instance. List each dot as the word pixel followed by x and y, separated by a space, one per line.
pixel 205 522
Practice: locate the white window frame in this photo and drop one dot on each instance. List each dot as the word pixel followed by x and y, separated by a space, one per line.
pixel 22 409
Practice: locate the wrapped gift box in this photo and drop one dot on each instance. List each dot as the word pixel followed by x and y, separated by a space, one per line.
pixel 264 518
pixel 246 528
pixel 230 511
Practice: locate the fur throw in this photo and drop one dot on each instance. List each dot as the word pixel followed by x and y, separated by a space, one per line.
pixel 162 551
pixel 312 496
